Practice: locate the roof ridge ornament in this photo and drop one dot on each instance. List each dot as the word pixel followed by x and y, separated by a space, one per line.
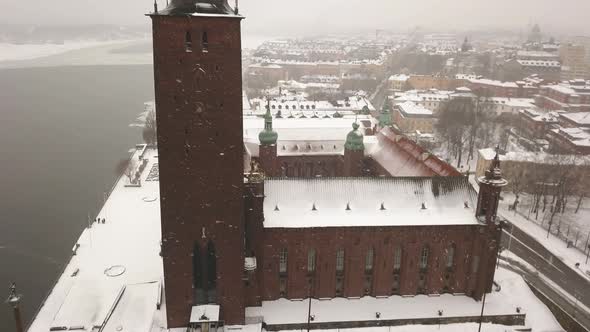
pixel 313 208
pixel 348 207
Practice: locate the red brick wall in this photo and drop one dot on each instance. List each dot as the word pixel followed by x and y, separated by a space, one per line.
pixel 268 160
pixel 310 166
pixel 199 115
pixel 356 241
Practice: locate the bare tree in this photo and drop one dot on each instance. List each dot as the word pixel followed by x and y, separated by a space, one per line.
pixel 126 167
pixel 453 124
pixel 150 131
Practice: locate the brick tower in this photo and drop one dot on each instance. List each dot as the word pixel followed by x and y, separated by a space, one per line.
pixel 268 146
pixel 198 89
pixel 490 187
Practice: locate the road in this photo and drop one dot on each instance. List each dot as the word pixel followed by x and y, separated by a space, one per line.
pixel 532 252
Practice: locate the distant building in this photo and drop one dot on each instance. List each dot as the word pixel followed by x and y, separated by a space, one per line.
pixel 358 82
pixel 575 120
pixel 574 140
pixel 411 117
pixel 571 96
pixel 429 99
pixel 516 70
pixel 398 82
pixel 426 82
pixel 574 59
pixel 536 124
pixel 512 106
pixel 537 55
pixel 494 88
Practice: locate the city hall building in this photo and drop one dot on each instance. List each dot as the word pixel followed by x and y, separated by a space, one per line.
pixel 234 236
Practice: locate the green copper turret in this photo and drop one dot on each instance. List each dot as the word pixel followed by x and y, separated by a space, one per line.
pixel 268 136
pixel 354 139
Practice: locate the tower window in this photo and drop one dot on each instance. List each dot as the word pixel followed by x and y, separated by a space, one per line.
pixel 205 42
pixel 369 261
pixel 475 264
pixel 424 258
pixel 283 286
pixel 451 256
pixel 339 285
pixel 397 259
pixel 283 260
pixel 311 261
pixel 340 261
pixel 188 42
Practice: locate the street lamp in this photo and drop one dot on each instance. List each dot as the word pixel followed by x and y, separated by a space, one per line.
pixel 14 302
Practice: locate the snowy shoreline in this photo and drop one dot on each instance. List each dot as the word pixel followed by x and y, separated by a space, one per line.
pixel 17 52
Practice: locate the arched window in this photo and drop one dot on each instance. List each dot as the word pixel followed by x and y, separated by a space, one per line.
pixel 424 258
pixel 211 266
pixel 188 42
pixel 197 273
pixel 205 42
pixel 451 256
pixel 311 261
pixel 283 260
pixel 340 261
pixel 369 260
pixel 397 259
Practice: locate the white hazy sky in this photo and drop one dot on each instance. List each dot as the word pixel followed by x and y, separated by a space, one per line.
pixel 308 16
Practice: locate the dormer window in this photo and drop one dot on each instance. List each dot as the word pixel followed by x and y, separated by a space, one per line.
pixel 205 42
pixel 188 42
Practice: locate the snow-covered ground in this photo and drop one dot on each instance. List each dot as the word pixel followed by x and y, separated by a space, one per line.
pixel 554 244
pixel 523 265
pixel 570 224
pixel 514 293
pixel 116 270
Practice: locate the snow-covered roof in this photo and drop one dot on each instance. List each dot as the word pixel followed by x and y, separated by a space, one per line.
pixel 422 96
pixel 581 118
pixel 399 77
pixel 577 136
pixel 485 81
pixel 536 54
pixel 358 202
pixel 539 63
pixel 533 115
pixel 302 136
pixel 409 108
pixel 513 102
pixel 400 156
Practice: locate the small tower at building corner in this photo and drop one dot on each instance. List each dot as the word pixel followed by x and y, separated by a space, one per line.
pixel 268 145
pixel 14 302
pixel 490 187
pixel 354 152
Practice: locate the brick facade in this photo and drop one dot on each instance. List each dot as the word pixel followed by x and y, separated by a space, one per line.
pixel 198 89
